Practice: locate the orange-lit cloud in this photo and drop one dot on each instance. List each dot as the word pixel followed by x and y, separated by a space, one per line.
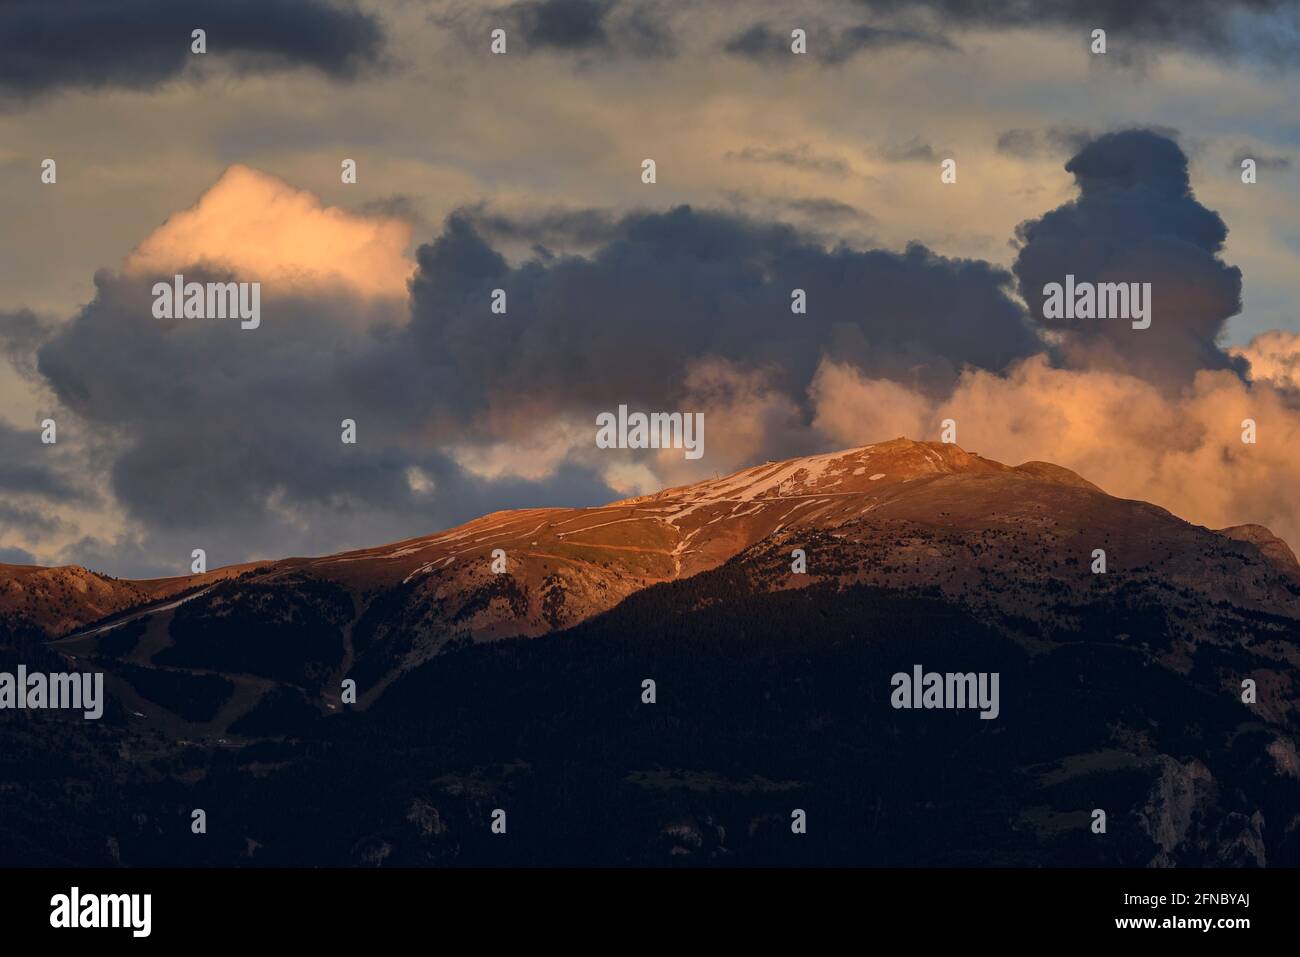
pixel 262 229
pixel 1183 452
pixel 1274 357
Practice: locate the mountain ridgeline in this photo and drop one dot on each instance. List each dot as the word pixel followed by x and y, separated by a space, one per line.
pixel 769 609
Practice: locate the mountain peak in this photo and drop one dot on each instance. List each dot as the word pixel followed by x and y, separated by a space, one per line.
pixel 851 471
pixel 1274 548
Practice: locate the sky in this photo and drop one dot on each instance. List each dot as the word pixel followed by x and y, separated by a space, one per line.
pixel 522 171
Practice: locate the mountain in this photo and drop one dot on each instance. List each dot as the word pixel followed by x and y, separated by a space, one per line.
pixel 61 599
pixel 1000 540
pixel 1122 688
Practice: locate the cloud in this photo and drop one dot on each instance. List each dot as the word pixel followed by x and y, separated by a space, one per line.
pixel 828 45
pixel 848 405
pixel 801 158
pixel 914 150
pixel 603 28
pixel 139 44
pixel 1268 30
pixel 33 523
pixel 536 456
pixel 260 228
pixel 1264 30
pixel 1262 160
pixel 230 440
pixel 1032 144
pixel 28 466
pixel 565 24
pixel 822 208
pixel 17 556
pixel 1135 220
pixel 1182 451
pixel 40 485
pixel 754 414
pixel 616 325
pixel 20 334
pixel 550 227
pixel 824 219
pixel 1274 357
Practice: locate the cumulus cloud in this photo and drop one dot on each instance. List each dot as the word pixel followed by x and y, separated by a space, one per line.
pixel 1274 357
pixel 849 405
pixel 1182 451
pixel 534 456
pixel 139 44
pixel 261 228
pixel 1152 414
pixel 620 324
pixel 1135 221
pixel 229 439
pixel 754 416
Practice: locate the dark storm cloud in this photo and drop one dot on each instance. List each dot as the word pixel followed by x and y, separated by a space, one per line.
pixel 604 27
pixel 683 284
pixel 829 45
pixel 801 158
pixel 1266 29
pixel 229 439
pixel 1136 220
pixel 565 24
pixel 141 43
